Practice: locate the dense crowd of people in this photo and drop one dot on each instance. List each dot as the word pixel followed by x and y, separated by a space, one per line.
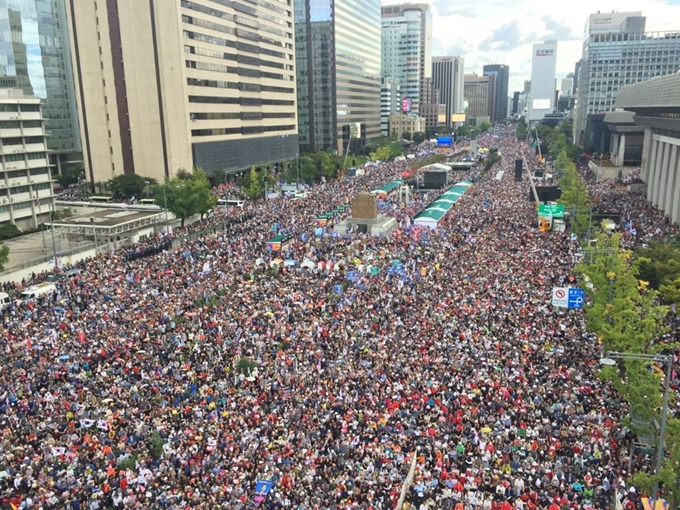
pixel 180 379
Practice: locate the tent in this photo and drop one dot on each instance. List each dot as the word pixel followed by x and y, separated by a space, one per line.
pixel 279 243
pixel 436 210
pixel 388 188
pixel 429 218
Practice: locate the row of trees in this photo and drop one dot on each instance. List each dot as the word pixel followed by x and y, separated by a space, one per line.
pixel 627 307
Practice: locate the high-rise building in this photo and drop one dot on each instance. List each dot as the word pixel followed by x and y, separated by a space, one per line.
pixel 616 52
pixel 165 85
pixel 567 86
pixel 577 71
pixel 34 57
pixel 448 78
pixel 543 85
pixel 425 43
pixel 480 95
pixel 501 74
pixel 390 103
pixel 338 71
pixel 26 188
pixel 527 87
pixel 401 53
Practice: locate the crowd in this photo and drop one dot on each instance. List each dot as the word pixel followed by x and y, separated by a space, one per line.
pixel 180 379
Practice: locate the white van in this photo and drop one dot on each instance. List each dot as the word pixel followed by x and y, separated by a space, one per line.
pixel 42 289
pixel 4 299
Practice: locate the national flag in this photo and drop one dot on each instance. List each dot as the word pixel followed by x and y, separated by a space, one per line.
pixel 86 424
pixel 102 425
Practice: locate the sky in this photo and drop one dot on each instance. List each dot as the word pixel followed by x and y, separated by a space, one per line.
pixel 503 31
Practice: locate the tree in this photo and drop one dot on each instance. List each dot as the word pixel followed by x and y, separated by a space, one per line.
pixel 624 314
pixel 395 149
pixel 126 186
pixel 217 177
pixel 406 135
pixel 574 194
pixel 381 154
pixel 187 197
pixel 484 126
pixel 71 176
pixel 183 174
pixel 4 255
pixel 418 137
pixel 252 187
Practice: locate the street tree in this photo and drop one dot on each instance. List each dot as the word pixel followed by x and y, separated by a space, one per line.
pixel 187 197
pixel 4 255
pixel 574 194
pixel 126 186
pixel 406 135
pixel 418 137
pixel 380 154
pixel 252 187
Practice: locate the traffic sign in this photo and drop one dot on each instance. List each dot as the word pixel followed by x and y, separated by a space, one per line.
pixel 576 298
pixel 555 210
pixel 568 297
pixel 559 297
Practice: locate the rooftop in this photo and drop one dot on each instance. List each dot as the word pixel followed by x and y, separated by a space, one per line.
pixel 660 92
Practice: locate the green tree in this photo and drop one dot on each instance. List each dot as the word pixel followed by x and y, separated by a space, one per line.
pixel 484 126
pixel 4 255
pixel 574 194
pixel 623 313
pixel 253 188
pixel 418 137
pixel 126 186
pixel 187 197
pixel 71 176
pixel 217 177
pixel 395 149
pixel 183 174
pixel 406 135
pixel 381 154
pixel 660 265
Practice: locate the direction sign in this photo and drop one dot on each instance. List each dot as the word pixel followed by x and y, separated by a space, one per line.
pixel 554 210
pixel 559 297
pixel 568 297
pixel 576 298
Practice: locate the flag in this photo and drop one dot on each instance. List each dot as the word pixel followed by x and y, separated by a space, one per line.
pixel 102 425
pixel 86 424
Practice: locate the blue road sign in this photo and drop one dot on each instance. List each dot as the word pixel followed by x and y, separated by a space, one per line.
pixel 576 298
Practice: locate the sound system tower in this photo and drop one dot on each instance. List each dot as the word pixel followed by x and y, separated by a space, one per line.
pixel 518 170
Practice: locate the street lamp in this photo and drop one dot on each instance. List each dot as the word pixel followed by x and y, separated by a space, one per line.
pixel 609 359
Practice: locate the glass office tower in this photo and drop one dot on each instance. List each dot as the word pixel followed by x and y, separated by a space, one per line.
pixel 34 57
pixel 337 46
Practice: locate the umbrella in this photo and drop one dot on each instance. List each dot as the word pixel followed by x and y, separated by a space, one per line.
pixel 107 400
pixel 485 430
pixel 64 357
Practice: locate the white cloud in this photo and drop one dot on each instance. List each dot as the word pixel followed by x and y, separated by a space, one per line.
pixel 503 31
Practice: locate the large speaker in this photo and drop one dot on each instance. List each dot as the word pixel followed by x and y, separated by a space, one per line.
pixel 518 170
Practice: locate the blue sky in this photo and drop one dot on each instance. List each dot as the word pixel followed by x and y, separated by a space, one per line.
pixel 503 31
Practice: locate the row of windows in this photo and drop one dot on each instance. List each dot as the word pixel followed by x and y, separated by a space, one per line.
pixel 249 130
pixel 241 59
pixel 243 101
pixel 239 45
pixel 262 3
pixel 238 31
pixel 241 71
pixel 15 124
pixel 241 115
pixel 21 156
pixel 240 19
pixel 239 86
pixel 15 107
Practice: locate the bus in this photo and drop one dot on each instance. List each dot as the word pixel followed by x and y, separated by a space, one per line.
pixel 148 201
pixel 101 200
pixel 230 202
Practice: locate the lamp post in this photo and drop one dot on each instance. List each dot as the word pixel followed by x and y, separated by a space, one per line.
pixel 609 359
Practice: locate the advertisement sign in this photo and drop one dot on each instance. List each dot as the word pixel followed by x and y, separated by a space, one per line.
pixel 355 130
pixel 540 104
pixel 441 118
pixel 444 140
pixel 458 117
pixel 406 105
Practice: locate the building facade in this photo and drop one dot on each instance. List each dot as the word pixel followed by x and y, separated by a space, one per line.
pixel 448 77
pixel 656 107
pixel 401 54
pixel 434 115
pixel 338 71
pixel 26 187
pixel 480 95
pixel 425 44
pixel 169 84
pixel 543 85
pixel 390 103
pixel 402 123
pixel 501 74
pixel 617 52
pixel 35 57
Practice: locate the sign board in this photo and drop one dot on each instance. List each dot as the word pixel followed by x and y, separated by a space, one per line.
pixel 568 297
pixel 355 130
pixel 554 210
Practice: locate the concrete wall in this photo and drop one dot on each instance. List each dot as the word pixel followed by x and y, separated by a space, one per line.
pixel 19 274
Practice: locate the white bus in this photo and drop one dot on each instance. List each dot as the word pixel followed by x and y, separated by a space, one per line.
pixel 230 202
pixel 103 200
pixel 148 201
